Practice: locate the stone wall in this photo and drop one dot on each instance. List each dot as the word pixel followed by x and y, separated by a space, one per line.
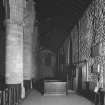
pixel 91 32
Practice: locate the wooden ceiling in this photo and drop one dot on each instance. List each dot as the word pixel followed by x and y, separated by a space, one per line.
pixel 57 18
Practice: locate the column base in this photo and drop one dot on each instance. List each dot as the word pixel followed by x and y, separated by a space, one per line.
pixel 22 91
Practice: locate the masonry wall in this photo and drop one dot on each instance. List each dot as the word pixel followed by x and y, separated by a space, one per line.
pixel 89 34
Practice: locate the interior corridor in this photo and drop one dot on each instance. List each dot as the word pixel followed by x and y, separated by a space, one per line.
pixel 56 47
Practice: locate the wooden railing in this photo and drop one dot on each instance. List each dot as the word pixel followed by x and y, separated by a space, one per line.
pixel 11 94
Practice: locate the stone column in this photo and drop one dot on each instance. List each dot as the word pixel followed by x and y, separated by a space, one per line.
pixel 14 43
pixel 27 54
pixel 29 21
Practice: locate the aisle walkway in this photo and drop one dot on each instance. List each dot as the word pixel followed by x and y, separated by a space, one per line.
pixel 35 98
